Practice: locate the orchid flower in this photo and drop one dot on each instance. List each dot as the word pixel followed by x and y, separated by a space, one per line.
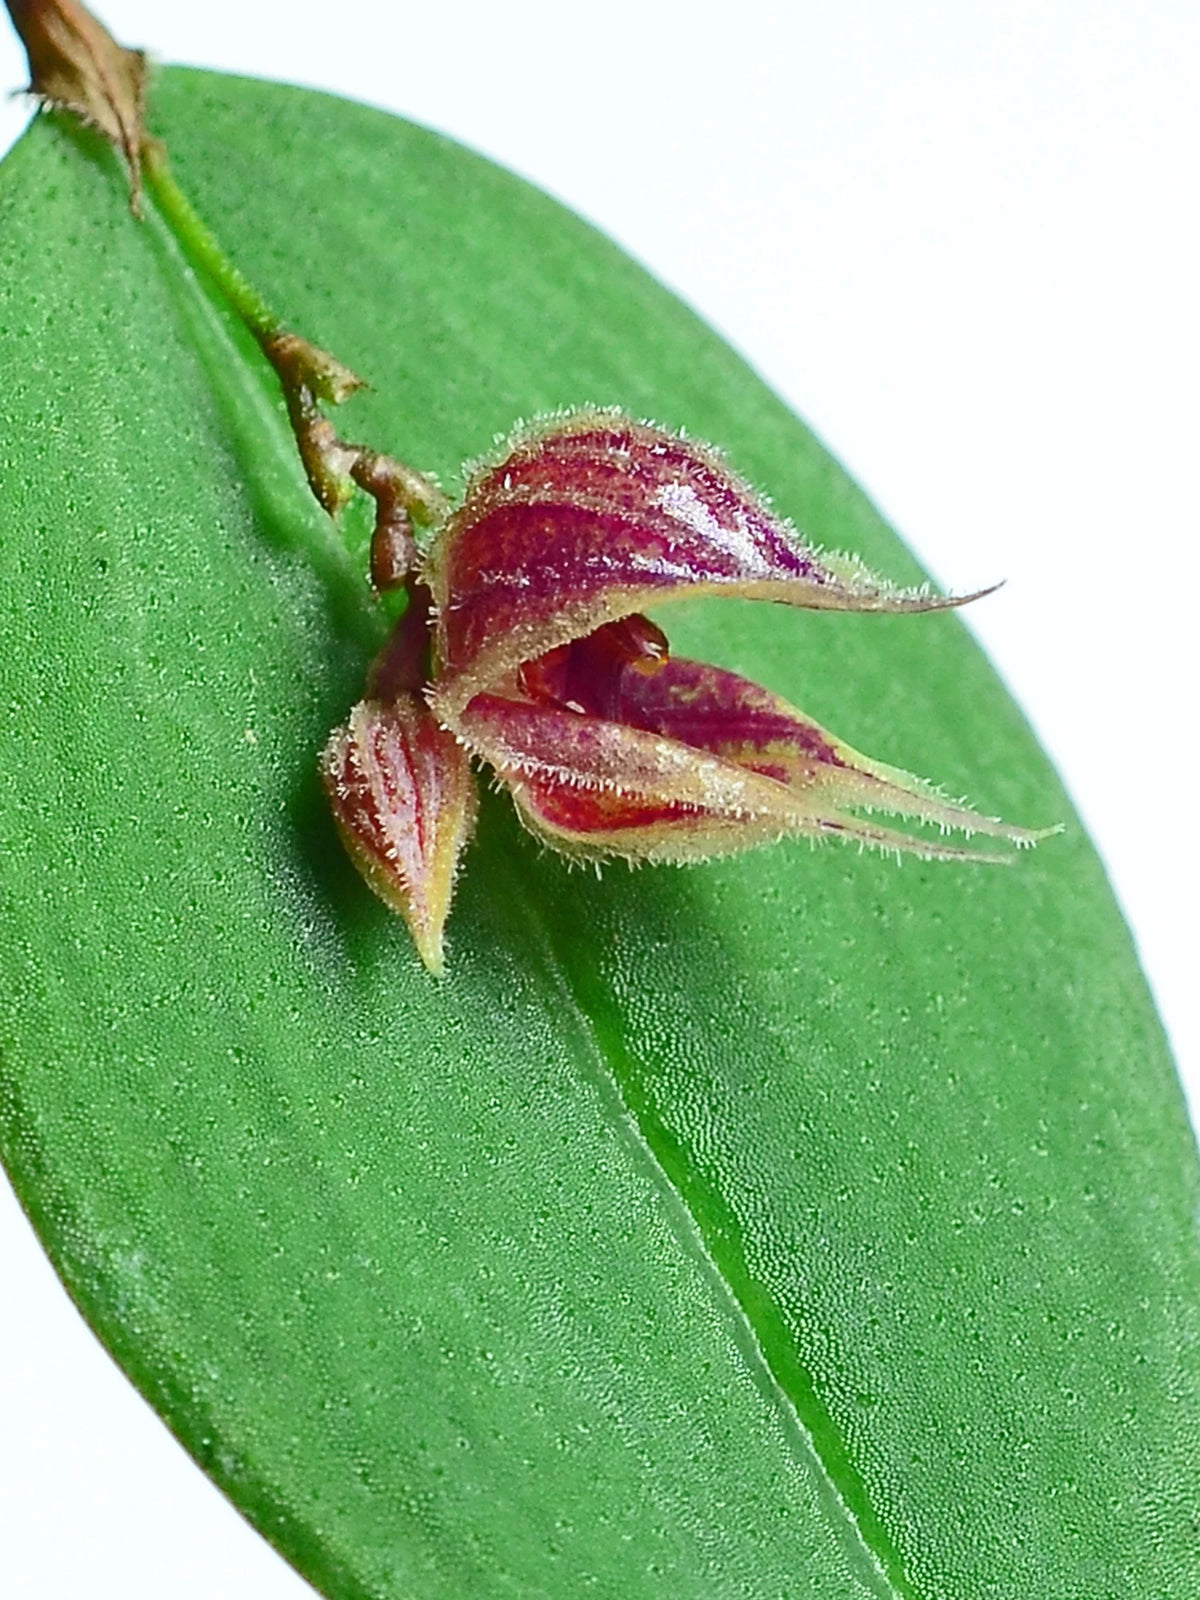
pixel 525 646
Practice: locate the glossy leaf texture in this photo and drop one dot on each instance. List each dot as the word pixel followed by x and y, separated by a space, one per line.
pixel 797 1224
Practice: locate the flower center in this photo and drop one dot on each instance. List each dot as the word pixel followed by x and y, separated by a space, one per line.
pixel 585 675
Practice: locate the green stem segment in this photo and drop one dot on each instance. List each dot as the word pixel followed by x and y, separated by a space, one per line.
pixel 77 66
pixel 201 246
pixel 308 376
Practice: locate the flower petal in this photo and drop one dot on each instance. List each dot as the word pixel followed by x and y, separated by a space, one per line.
pixel 682 761
pixel 707 708
pixel 591 516
pixel 404 801
pixel 593 788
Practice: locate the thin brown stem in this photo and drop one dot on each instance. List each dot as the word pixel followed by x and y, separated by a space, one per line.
pixel 309 376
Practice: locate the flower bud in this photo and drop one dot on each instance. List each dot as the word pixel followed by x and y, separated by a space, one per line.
pixel 404 802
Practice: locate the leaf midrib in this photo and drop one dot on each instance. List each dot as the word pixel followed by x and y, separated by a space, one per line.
pixel 770 1355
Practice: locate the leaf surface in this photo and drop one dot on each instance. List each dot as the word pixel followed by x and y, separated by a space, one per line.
pixel 797 1224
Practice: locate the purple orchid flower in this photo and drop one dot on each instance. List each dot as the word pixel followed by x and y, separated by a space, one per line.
pixel 525 646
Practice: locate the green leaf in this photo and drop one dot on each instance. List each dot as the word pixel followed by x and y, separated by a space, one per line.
pixel 799 1224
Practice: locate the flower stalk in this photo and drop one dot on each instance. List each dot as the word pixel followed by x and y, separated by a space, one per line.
pixel 76 66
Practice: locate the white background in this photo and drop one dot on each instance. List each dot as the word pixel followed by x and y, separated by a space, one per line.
pixel 961 239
